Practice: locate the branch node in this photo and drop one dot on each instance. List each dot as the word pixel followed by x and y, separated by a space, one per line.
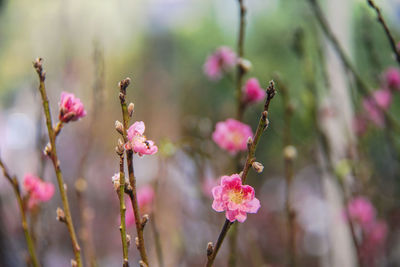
pixel 60 215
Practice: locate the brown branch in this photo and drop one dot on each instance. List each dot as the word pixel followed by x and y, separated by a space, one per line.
pixel 37 64
pixel 29 241
pixel 132 179
pixel 386 28
pixel 241 71
pixel 252 145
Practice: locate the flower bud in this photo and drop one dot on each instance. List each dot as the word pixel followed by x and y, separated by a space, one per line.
pixel 131 108
pixel 80 185
pixel 119 127
pixel 128 240
pixel 47 150
pixel 60 215
pixel 257 166
pixel 137 242
pixel 210 248
pixel 290 152
pixel 244 64
pixel 142 264
pixel 115 180
pixel 145 219
pixel 74 263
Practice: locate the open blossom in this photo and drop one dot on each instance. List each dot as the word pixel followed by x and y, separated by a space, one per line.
pixel 376 104
pixel 220 61
pixel 392 78
pixel 145 197
pixel 71 108
pixel 253 91
pixel 361 211
pixel 138 142
pixel 38 190
pixel 234 198
pixel 232 135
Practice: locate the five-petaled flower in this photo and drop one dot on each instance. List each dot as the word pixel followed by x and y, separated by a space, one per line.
pixel 70 108
pixel 232 135
pixel 234 198
pixel 222 60
pixel 38 190
pixel 137 142
pixel 253 91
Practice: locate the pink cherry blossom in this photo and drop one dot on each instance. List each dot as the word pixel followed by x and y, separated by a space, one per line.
pixel 222 60
pixel 234 198
pixel 70 108
pixel 376 104
pixel 360 124
pixel 138 142
pixel 253 91
pixel 361 211
pixel 374 239
pixel 232 135
pixel 392 78
pixel 145 197
pixel 38 190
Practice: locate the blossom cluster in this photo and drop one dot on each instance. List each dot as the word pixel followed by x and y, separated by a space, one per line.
pixel 137 141
pixel 37 190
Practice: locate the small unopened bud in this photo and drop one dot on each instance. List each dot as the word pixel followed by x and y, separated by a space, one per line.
pixel 244 64
pixel 249 142
pixel 145 219
pixel 80 185
pixel 115 180
pixel 210 248
pixel 290 152
pixel 60 215
pixel 137 242
pixel 142 264
pixel 128 240
pixel 257 166
pixel 131 108
pixel 120 147
pixel 74 263
pixel 119 127
pixel 47 150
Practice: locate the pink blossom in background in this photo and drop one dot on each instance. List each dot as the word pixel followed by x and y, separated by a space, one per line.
pixel 70 108
pixel 145 197
pixel 253 91
pixel 392 78
pixel 374 239
pixel 38 190
pixel 232 135
pixel 375 105
pixel 207 186
pixel 220 61
pixel 360 125
pixel 234 198
pixel 361 211
pixel 138 142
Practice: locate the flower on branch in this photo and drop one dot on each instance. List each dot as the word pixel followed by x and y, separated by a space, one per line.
pixel 392 78
pixel 71 108
pixel 253 92
pixel 138 142
pixel 145 196
pixel 234 198
pixel 232 135
pixel 375 104
pixel 222 60
pixel 38 190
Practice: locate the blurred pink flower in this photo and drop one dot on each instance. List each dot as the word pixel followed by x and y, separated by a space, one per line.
pixel 253 91
pixel 207 186
pixel 232 135
pixel 71 108
pixel 392 78
pixel 38 190
pixel 376 104
pixel 138 142
pixel 220 61
pixel 234 198
pixel 361 211
pixel 374 241
pixel 145 197
pixel 359 124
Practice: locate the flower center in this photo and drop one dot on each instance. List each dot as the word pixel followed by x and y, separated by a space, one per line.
pixel 236 138
pixel 236 196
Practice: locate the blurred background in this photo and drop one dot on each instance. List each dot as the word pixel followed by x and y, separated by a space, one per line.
pixel 89 46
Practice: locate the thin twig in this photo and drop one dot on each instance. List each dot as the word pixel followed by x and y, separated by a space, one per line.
pixel 54 158
pixel 122 209
pixel 240 51
pixel 29 241
pixel 132 179
pixel 386 28
pixel 252 145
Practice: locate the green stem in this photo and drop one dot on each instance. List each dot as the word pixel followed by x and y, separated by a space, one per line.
pixel 29 241
pixel 56 163
pixel 122 210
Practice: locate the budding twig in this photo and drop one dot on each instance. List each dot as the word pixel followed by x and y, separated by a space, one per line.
pixel 252 145
pixel 37 64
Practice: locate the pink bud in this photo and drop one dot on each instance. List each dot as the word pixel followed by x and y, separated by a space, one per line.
pixel 253 91
pixel 70 108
